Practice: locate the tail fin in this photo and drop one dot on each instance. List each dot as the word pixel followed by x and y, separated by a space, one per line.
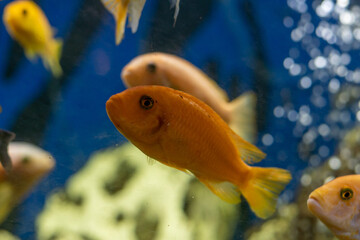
pixel 176 4
pixel 119 10
pixel 243 116
pixel 135 9
pixel 52 59
pixel 263 188
pixel 121 20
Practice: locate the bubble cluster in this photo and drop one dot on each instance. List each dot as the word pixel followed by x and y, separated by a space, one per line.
pixel 326 36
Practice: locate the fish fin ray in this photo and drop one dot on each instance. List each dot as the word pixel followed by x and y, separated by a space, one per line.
pixel 243 116
pixel 30 54
pixel 135 10
pixel 263 189
pixel 6 200
pixel 221 92
pixel 119 9
pixel 224 190
pixel 150 160
pixel 178 168
pixel 52 59
pixel 111 6
pixel 247 151
pixel 176 4
pixel 120 21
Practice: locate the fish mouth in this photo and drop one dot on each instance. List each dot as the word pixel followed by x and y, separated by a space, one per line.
pixel 111 108
pixel 314 206
pixel 113 111
pixel 125 73
pixel 314 203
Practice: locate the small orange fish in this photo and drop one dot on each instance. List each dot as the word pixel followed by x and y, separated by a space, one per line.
pixel 171 71
pixel 337 205
pixel 26 23
pixel 181 131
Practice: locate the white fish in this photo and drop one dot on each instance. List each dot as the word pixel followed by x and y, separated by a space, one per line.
pixel 30 163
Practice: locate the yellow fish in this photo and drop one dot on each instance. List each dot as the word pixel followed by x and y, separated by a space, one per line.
pixel 120 9
pixel 337 205
pixel 181 131
pixel 27 24
pixel 172 71
pixel 29 164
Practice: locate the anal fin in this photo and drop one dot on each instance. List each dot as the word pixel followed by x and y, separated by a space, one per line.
pixel 224 190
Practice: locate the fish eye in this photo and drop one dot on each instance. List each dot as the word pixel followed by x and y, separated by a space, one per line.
pixel 346 193
pixel 151 67
pixel 146 102
pixel 24 12
pixel 25 160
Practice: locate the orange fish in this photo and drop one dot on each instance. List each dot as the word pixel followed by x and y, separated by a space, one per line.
pixel 336 204
pixel 171 71
pixel 181 131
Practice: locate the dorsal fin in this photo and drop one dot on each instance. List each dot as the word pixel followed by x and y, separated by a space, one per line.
pixel 247 152
pixel 112 6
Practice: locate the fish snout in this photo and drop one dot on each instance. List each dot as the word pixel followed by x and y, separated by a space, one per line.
pixel 126 74
pixel 314 201
pixel 113 107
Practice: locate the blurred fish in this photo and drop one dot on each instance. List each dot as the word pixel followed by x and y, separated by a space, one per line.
pixel 182 132
pixel 27 24
pixel 5 138
pixel 171 71
pixel 30 164
pixel 337 205
pixel 121 8
pixel 176 4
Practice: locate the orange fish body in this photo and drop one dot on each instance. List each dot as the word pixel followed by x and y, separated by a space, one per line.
pixel 181 131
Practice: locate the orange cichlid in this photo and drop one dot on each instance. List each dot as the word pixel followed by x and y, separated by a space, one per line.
pixel 182 132
pixel 120 9
pixel 337 205
pixel 27 24
pixel 172 71
pixel 29 164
